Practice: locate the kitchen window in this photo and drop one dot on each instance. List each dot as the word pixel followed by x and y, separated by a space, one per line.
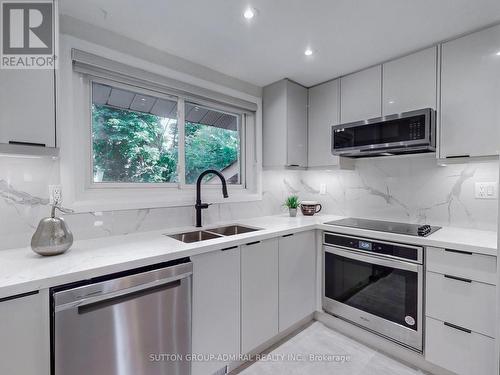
pixel 139 139
pixel 136 135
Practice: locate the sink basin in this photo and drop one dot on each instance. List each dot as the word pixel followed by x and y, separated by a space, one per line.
pixel 196 236
pixel 209 234
pixel 231 230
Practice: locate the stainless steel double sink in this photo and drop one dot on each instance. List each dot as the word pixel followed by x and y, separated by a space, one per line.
pixel 209 234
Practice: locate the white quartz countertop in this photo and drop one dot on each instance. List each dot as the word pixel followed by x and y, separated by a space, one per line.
pixel 22 271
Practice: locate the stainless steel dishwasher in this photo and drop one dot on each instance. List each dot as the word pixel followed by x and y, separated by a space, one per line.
pixel 131 324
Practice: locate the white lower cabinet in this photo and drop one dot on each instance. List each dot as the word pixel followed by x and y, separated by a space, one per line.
pixel 462 301
pixel 297 278
pixel 259 293
pixel 460 311
pixel 468 265
pixel 466 353
pixel 24 335
pixel 216 307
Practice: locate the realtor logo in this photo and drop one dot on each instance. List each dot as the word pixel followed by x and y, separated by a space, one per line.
pixel 27 35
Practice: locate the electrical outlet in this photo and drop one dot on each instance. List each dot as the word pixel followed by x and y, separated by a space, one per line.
pixel 55 194
pixel 486 190
pixel 322 189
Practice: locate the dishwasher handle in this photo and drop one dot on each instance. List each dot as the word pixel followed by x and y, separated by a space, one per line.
pixel 103 295
pixel 127 295
pixel 134 291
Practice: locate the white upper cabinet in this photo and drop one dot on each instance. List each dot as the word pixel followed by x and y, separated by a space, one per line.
pixel 27 108
pixel 361 95
pixel 410 83
pixel 285 124
pixel 324 111
pixel 470 95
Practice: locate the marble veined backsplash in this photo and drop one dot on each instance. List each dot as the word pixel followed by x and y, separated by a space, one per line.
pixel 412 189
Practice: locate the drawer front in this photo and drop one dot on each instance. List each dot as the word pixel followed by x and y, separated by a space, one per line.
pixel 472 266
pixel 461 352
pixel 469 304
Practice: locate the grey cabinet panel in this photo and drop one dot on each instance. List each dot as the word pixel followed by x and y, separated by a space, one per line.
pixel 216 307
pixel 284 124
pixel 361 95
pixel 24 332
pixel 297 278
pixel 409 83
pixel 259 293
pixel 27 106
pixel 470 93
pixel 324 111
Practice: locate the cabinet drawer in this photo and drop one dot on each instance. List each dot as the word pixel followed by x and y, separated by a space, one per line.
pixel 469 304
pixel 461 352
pixel 472 266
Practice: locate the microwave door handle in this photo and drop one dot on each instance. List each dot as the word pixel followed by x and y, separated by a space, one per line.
pixel 373 259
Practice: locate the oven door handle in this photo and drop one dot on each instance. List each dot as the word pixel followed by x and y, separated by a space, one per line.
pixel 373 259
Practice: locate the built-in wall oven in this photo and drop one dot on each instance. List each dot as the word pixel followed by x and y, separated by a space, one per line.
pixel 375 284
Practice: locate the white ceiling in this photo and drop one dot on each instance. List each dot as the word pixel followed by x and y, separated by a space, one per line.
pixel 346 35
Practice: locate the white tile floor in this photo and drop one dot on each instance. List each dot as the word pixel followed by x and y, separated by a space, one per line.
pixel 293 357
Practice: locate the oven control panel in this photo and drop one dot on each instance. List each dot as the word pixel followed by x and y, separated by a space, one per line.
pixel 396 250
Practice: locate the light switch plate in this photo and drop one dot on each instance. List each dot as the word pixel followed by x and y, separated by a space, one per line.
pixel 322 189
pixel 486 190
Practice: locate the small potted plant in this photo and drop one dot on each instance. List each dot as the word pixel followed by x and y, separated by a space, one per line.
pixel 292 202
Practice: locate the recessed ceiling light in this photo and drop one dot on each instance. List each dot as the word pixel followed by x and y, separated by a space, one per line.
pixel 249 13
pixel 308 52
pixel 498 53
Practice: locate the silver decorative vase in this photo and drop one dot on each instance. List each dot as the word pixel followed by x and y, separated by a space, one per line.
pixel 293 212
pixel 52 236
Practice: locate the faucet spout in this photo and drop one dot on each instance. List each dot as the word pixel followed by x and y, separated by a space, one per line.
pixel 200 206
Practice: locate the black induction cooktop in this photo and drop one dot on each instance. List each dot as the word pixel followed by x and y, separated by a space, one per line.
pixel 386 226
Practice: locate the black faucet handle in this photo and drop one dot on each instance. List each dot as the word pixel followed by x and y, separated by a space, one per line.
pixel 203 205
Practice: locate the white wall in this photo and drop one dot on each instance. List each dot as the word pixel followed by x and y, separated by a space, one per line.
pixel 411 189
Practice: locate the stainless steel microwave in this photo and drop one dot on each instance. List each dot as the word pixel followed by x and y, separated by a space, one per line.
pixel 405 133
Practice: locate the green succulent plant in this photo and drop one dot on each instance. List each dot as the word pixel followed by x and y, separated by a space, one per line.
pixel 292 201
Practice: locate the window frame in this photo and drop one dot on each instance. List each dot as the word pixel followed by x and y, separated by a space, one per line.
pixel 181 123
pixel 241 125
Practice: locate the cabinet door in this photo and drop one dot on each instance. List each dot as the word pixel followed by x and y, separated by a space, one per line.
pixel 361 95
pixel 27 109
pixel 25 342
pixel 297 278
pixel 324 111
pixel 274 141
pixel 259 293
pixel 462 352
pixel 470 95
pixel 409 83
pixel 216 307
pixel 296 125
